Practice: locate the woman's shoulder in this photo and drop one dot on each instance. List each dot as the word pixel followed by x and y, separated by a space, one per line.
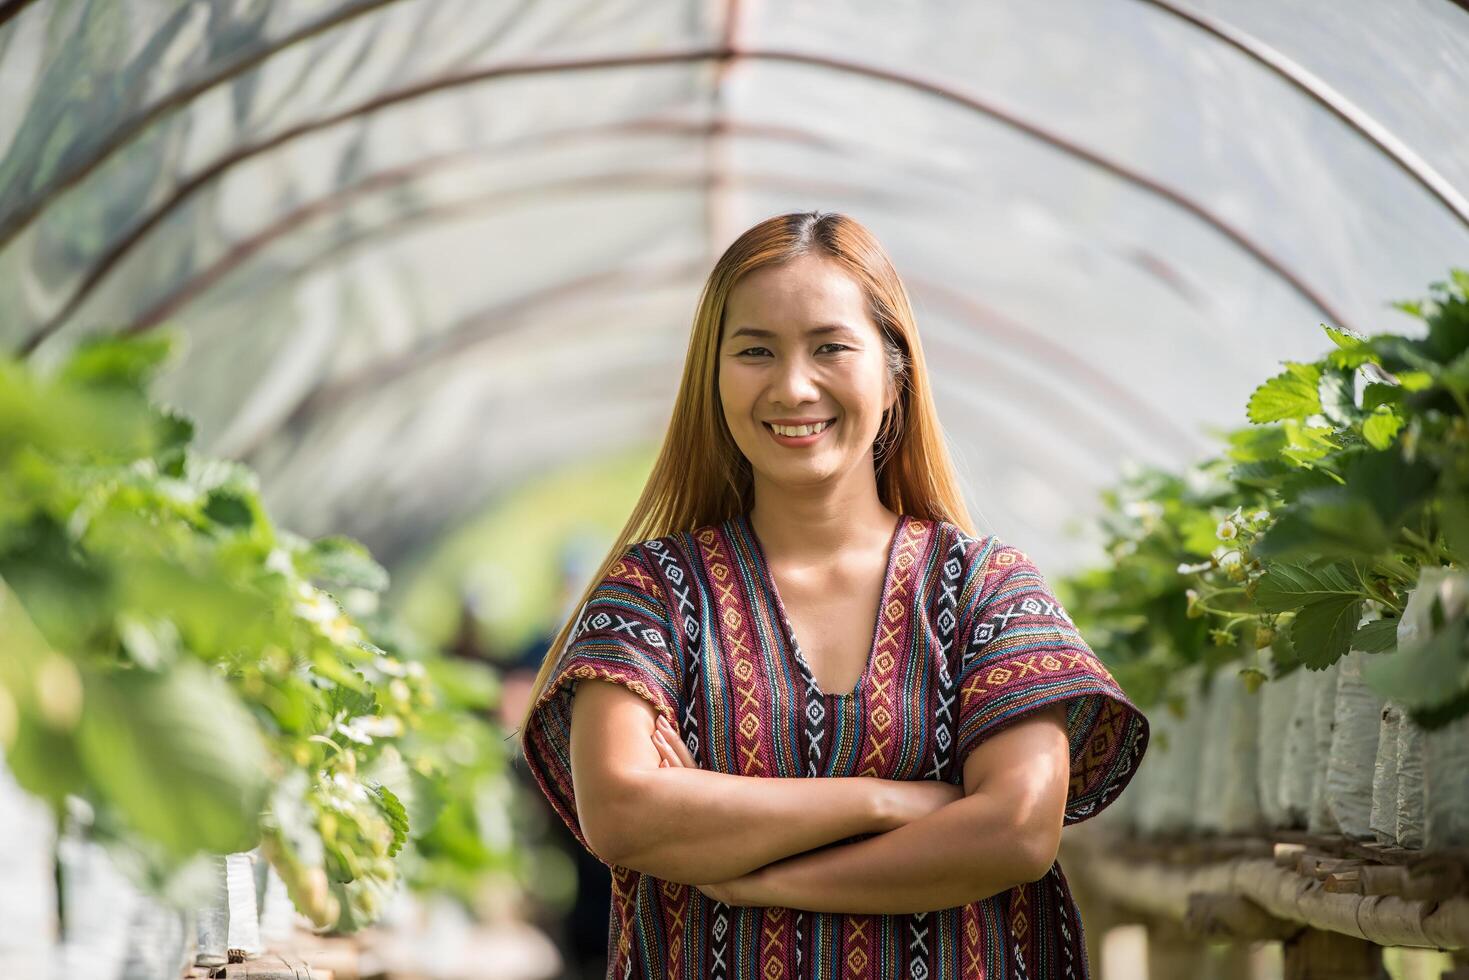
pixel 984 555
pixel 974 545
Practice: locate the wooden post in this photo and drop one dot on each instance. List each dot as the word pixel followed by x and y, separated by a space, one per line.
pixel 1227 961
pixel 1174 953
pixel 1318 955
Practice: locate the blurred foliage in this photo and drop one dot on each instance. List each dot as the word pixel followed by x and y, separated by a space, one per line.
pixel 549 526
pixel 1307 537
pixel 206 681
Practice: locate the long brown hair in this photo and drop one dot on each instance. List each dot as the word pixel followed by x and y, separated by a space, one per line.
pixel 701 477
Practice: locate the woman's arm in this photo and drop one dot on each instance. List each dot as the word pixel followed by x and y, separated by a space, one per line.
pixel 693 826
pixel 1005 832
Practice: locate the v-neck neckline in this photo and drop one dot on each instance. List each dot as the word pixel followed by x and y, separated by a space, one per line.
pixel 767 578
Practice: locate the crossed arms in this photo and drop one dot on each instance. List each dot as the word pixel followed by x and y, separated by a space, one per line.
pixel 763 841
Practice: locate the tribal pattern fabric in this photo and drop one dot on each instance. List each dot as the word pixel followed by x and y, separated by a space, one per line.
pixel 968 638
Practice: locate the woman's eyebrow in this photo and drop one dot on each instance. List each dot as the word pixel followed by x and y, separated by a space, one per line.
pixel 830 328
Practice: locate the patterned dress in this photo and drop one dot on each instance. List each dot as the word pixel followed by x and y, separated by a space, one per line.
pixel 968 637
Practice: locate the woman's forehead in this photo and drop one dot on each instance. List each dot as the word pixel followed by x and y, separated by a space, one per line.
pixel 779 302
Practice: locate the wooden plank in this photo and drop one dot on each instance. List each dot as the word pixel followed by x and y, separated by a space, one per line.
pixel 274 966
pixel 1318 955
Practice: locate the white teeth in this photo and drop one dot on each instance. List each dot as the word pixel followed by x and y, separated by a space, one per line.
pixel 800 430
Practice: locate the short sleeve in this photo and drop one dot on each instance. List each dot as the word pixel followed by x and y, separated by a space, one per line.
pixel 622 634
pixel 1023 653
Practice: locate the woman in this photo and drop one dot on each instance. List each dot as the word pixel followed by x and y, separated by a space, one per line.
pixel 808 600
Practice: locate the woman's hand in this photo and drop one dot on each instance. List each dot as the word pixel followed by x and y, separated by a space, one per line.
pixel 671 747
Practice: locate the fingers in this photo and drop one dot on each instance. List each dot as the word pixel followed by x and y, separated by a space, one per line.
pixel 685 757
pixel 667 757
pixel 670 747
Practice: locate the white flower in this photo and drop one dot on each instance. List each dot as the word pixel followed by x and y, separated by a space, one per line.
pixel 353 730
pixel 1260 516
pixel 1229 558
pixel 364 728
pixel 1202 566
pixel 1227 531
pixel 314 605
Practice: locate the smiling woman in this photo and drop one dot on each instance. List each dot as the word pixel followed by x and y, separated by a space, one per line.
pixel 883 797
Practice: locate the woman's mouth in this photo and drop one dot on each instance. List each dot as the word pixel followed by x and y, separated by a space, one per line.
pixel 798 435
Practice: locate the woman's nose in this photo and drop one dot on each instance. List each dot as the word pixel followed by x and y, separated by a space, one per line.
pixel 794 383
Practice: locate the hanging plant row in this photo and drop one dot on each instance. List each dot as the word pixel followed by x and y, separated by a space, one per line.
pixel 204 682
pixel 1336 521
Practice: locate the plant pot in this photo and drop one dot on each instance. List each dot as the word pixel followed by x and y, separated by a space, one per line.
pixel 277 914
pixel 1384 818
pixel 212 920
pixel 156 942
pixel 1228 794
pixel 1277 702
pixel 1173 787
pixel 1446 786
pixel 1319 817
pixel 1409 815
pixel 1351 764
pixel 28 926
pixel 1298 763
pixel 244 928
pixel 97 906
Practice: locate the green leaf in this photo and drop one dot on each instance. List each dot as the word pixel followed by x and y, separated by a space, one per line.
pixel 1455 374
pixel 1308 442
pixel 1448 329
pixel 1326 523
pixel 177 755
pixel 1377 394
pixel 1291 394
pixel 396 815
pixel 1393 486
pixel 1381 427
pixel 340 562
pixel 1286 586
pixel 1424 675
pixel 1322 631
pixel 1341 338
pixel 1352 351
pixel 1338 398
pixel 1378 636
pixel 229 509
pixel 104 360
pixel 1257 444
pixel 1454 520
pixel 1265 475
pixel 1415 380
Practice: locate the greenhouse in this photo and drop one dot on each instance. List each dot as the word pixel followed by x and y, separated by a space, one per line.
pixel 370 387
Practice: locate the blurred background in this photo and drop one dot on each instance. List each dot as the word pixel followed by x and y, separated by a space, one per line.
pixel 427 270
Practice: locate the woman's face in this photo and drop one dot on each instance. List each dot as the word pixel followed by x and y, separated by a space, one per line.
pixel 800 353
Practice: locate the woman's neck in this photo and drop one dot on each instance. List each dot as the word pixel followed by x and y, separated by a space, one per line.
pixel 805 528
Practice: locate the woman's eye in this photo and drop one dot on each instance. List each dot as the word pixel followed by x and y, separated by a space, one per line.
pixel 836 345
pixel 749 350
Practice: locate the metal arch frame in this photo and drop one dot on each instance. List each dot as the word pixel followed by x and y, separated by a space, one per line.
pixel 246 247
pixel 197 284
pixel 442 345
pixel 1018 336
pixel 1316 88
pixel 132 128
pixel 9 8
pixel 1129 175
pixel 490 325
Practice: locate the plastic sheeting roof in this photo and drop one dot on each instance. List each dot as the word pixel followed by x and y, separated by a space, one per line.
pixel 423 249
